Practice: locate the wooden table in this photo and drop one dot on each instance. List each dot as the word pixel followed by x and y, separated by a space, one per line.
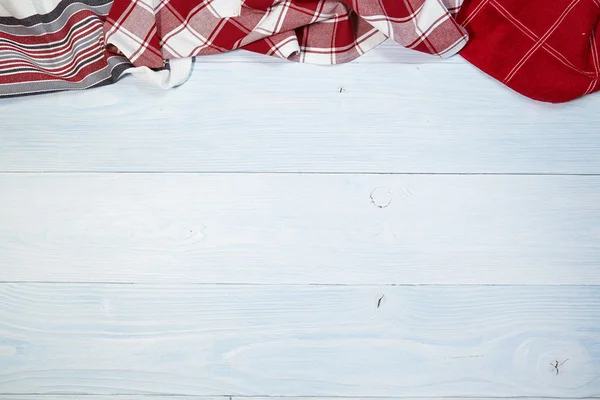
pixel 398 227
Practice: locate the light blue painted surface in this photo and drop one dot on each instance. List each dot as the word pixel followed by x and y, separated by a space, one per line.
pixel 300 229
pixel 298 340
pixel 283 117
pixel 148 285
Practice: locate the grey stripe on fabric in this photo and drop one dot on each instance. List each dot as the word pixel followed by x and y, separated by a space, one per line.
pixel 100 7
pixel 54 25
pixel 110 74
pixel 84 42
pixel 82 63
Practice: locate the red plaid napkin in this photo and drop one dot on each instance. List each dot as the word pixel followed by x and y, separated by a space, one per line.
pixel 544 49
pixel 314 31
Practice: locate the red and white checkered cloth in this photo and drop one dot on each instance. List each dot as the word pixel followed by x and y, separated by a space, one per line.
pixel 148 32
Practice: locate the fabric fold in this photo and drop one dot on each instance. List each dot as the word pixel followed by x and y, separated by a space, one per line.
pixel 313 31
pixel 51 45
pixel 545 50
pixel 54 45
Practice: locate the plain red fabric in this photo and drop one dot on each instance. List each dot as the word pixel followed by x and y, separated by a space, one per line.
pixel 544 49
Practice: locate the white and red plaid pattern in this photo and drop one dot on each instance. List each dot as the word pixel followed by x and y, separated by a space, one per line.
pixel 314 31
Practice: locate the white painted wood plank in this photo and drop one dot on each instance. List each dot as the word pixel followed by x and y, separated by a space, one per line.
pixel 300 341
pixel 437 118
pixel 297 229
pixel 388 52
pixel 184 397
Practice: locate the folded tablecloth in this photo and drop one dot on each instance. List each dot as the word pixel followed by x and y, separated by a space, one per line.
pixel 313 31
pixel 544 49
pixel 50 45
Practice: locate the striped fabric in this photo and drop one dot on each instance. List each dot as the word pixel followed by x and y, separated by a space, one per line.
pixel 52 45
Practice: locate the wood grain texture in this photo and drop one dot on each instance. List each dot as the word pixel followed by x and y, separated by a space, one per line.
pixel 300 341
pixel 300 229
pixel 247 117
pixel 220 268
pixel 184 397
pixel 187 397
